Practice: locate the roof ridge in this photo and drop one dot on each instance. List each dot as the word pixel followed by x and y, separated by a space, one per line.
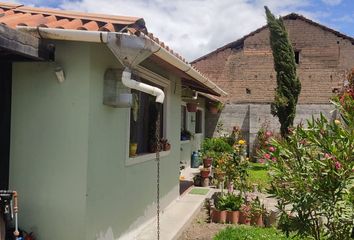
pixel 291 16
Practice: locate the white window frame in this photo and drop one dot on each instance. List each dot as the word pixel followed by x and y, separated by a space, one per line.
pixel 166 84
pixel 203 120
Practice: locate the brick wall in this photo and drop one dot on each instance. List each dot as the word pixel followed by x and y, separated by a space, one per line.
pixel 324 59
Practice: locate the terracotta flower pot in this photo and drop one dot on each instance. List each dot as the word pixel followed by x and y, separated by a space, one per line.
pixel 213 110
pixel 233 217
pixel 218 216
pixel 257 220
pixel 207 162
pixel 244 218
pixel 205 173
pixel 192 107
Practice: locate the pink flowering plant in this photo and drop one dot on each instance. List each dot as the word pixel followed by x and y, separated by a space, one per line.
pixel 312 172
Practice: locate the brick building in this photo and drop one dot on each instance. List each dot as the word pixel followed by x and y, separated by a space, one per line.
pixel 245 69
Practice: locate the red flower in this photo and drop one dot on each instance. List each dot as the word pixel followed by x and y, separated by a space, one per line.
pixel 271 149
pixel 267 156
pixel 337 165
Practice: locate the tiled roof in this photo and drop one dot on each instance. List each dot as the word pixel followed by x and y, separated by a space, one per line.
pixel 238 44
pixel 14 15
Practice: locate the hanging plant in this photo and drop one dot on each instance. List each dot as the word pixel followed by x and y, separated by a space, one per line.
pixel 192 107
pixel 135 107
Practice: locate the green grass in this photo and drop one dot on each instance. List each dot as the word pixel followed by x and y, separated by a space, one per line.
pixel 258 174
pixel 199 191
pixel 250 233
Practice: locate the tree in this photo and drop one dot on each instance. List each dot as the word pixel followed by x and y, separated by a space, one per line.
pixel 288 84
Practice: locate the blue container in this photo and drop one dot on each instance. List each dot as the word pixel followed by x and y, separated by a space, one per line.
pixel 195 162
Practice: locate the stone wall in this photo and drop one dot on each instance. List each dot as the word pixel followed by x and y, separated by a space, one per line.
pixel 251 117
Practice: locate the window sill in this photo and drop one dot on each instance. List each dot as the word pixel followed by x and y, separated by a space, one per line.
pixel 144 157
pixel 185 141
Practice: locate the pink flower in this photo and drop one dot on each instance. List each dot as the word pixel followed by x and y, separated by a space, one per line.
pixel 267 156
pixel 271 149
pixel 327 155
pixel 338 165
pixel 274 159
pixel 261 160
pixel 268 134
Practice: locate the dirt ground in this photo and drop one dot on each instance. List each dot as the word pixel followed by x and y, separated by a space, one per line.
pixel 201 229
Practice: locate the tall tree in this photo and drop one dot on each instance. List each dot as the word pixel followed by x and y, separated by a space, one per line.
pixel 288 84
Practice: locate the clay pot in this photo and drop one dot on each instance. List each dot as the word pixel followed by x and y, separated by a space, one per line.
pixel 218 216
pixel 207 162
pixel 192 107
pixel 244 218
pixel 257 220
pixel 233 217
pixel 167 147
pixel 205 173
pixel 213 110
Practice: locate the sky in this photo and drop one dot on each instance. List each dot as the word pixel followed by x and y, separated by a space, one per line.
pixel 194 28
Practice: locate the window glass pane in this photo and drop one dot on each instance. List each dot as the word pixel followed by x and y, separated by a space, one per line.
pixel 183 118
pixel 144 114
pixel 198 121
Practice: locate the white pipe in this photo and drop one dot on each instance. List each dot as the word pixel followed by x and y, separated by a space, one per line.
pixel 99 37
pixel 130 83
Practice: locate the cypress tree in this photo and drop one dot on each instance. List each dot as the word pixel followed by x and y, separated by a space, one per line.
pixel 288 84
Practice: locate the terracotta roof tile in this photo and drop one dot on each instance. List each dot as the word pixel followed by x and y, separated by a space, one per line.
pixel 18 15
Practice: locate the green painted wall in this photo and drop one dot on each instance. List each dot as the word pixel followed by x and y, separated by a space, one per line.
pixel 49 149
pixel 68 151
pixel 118 194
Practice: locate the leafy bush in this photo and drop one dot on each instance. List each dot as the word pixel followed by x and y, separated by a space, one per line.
pixel 217 145
pixel 313 170
pixel 250 233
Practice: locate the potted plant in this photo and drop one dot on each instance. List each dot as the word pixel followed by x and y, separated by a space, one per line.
pixel 257 211
pixel 218 213
pixel 205 172
pixel 208 159
pixel 185 135
pixel 133 147
pixel 166 146
pixel 233 204
pixel 192 106
pixel 215 107
pixel 245 214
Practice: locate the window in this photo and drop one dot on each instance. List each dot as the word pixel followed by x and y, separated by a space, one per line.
pixel 199 121
pixel 297 57
pixel 183 118
pixel 144 114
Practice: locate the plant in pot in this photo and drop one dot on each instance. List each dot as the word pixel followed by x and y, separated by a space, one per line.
pixel 205 172
pixel 233 204
pixel 257 211
pixel 218 213
pixel 245 214
pixel 185 135
pixel 166 146
pixel 192 106
pixel 208 158
pixel 215 107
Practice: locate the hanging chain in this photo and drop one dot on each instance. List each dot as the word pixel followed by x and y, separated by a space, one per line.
pixel 158 146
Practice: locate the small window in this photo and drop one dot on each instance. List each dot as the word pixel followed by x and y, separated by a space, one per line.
pixel 199 121
pixel 297 57
pixel 144 114
pixel 183 118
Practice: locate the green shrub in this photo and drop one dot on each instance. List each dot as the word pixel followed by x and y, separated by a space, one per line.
pixel 250 233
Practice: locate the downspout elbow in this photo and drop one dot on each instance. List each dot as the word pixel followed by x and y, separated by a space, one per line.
pixel 130 83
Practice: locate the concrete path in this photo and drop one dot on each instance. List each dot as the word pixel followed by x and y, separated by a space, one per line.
pixel 176 217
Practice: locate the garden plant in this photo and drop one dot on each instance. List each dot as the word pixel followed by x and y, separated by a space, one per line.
pixel 313 171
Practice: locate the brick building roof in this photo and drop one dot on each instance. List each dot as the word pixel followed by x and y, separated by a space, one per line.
pixel 238 44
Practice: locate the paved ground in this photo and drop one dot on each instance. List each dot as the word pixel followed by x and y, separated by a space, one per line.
pixel 202 229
